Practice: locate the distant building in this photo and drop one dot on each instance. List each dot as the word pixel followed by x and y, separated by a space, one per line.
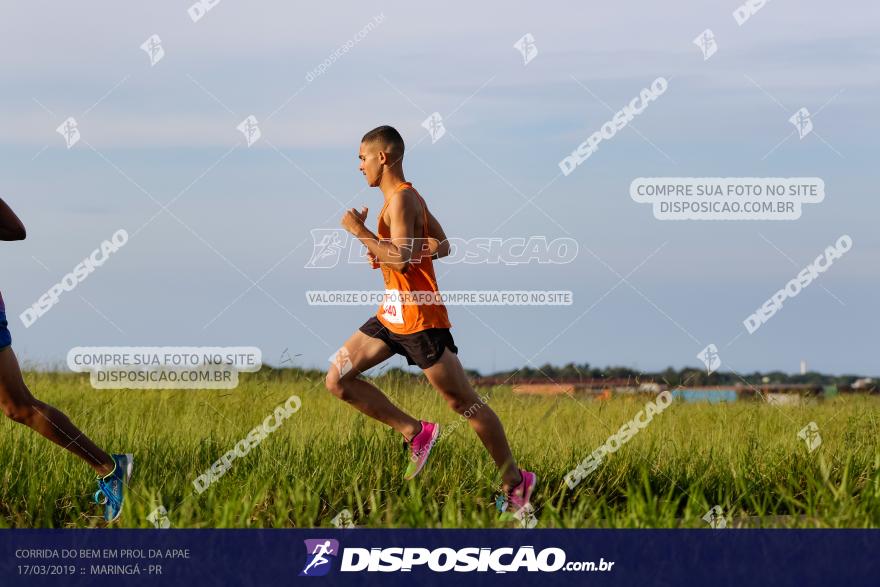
pixel 863 383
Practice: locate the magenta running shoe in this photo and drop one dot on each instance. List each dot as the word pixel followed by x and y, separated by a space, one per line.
pixel 519 496
pixel 420 447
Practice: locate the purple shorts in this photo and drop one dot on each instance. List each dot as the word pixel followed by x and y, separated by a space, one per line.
pixel 5 336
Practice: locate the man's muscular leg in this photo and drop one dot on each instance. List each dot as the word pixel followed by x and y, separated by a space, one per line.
pixel 18 404
pixel 361 353
pixel 448 377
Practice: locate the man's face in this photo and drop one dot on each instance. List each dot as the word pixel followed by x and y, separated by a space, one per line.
pixel 371 158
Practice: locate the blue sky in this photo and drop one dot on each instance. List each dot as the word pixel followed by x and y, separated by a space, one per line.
pixel 244 214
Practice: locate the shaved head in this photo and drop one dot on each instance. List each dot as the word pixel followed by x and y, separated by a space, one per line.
pixel 381 154
pixel 387 139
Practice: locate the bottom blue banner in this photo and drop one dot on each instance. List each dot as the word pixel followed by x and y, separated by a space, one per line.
pixel 398 557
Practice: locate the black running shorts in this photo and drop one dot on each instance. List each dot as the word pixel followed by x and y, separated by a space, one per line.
pixel 420 348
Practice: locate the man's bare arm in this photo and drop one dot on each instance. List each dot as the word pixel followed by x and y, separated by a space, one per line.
pixel 11 227
pixel 440 248
pixel 397 252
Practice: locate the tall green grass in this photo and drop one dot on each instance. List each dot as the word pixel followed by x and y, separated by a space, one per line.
pixel 745 457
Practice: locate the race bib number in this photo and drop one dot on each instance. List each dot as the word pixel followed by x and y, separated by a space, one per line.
pixel 392 309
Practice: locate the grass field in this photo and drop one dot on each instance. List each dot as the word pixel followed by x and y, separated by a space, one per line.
pixel 745 457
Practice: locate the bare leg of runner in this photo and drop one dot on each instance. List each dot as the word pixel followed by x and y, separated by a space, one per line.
pixel 19 405
pixel 364 353
pixel 448 377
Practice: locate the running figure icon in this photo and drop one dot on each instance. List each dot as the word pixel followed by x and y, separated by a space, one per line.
pixel 317 562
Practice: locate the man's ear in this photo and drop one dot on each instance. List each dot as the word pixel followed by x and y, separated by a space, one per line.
pixel 383 158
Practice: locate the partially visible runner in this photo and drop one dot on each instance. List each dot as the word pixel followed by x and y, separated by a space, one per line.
pixel 17 403
pixel 408 238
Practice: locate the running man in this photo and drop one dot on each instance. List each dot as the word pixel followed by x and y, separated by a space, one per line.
pixel 18 404
pixel 320 559
pixel 408 238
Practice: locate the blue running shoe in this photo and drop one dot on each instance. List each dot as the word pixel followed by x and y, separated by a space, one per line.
pixel 111 488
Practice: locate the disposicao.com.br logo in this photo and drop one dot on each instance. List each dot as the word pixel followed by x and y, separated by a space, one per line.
pixel 317 561
pixel 441 560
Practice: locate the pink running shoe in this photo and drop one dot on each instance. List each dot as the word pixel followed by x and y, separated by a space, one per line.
pixel 420 447
pixel 521 494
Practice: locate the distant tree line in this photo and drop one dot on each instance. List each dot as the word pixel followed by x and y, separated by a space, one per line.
pixel 689 376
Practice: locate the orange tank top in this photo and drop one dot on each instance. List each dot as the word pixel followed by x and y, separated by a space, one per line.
pixel 398 313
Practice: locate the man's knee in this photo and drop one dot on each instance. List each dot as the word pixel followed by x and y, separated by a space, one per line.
pixel 336 384
pixel 463 407
pixel 21 412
